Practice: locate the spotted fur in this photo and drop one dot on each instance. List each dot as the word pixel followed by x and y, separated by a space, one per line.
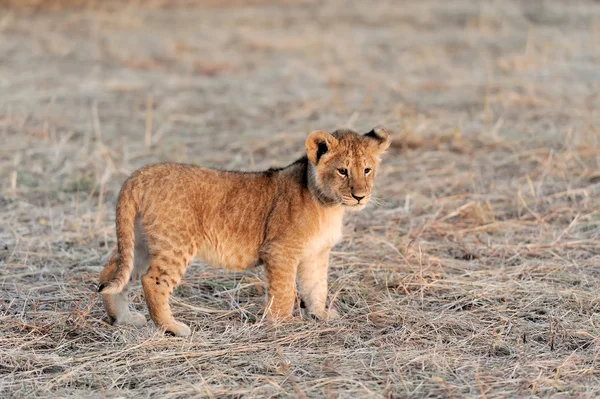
pixel 286 219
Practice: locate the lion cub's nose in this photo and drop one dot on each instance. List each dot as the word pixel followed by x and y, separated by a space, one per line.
pixel 358 198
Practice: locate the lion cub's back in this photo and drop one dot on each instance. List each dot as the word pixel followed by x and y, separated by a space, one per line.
pixel 221 213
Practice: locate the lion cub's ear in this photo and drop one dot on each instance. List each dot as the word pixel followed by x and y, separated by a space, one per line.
pixel 318 144
pixel 380 138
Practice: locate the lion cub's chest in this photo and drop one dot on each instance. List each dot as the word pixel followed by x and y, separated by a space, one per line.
pixel 327 234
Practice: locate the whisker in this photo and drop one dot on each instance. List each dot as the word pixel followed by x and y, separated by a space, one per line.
pixel 379 202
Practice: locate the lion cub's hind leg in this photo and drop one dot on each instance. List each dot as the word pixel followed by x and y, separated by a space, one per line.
pixel 165 272
pixel 117 305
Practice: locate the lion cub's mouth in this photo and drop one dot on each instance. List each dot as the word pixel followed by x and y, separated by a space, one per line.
pixel 355 205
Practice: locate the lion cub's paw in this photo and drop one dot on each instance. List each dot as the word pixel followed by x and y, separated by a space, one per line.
pixel 334 314
pixel 178 329
pixel 133 319
pixel 325 315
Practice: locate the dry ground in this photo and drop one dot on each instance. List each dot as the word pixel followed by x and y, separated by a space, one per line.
pixel 477 276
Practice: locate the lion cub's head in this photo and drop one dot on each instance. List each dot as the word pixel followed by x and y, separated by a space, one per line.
pixel 344 163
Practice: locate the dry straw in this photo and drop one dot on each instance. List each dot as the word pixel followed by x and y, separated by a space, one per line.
pixel 475 275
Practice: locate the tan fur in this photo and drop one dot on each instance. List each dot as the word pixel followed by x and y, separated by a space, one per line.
pixel 287 219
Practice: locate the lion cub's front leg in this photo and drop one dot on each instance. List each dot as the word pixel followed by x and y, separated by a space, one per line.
pixel 281 276
pixel 312 279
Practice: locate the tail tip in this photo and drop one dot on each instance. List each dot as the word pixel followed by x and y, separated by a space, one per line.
pixel 109 288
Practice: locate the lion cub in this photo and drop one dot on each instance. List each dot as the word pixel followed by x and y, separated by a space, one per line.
pixel 286 219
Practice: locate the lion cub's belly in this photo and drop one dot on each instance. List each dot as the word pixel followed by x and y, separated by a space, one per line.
pixel 228 254
pixel 239 252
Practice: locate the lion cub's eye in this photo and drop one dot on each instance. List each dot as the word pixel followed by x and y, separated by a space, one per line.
pixel 343 172
pixel 367 171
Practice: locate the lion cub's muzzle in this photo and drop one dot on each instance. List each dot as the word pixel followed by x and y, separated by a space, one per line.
pixel 356 201
pixel 361 196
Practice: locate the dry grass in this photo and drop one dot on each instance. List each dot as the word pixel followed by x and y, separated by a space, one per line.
pixel 477 276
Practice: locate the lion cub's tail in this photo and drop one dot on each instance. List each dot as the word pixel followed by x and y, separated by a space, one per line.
pixel 127 209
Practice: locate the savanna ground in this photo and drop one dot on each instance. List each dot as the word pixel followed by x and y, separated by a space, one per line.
pixel 476 276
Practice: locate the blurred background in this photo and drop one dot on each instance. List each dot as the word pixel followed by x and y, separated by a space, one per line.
pixel 185 80
pixel 477 272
